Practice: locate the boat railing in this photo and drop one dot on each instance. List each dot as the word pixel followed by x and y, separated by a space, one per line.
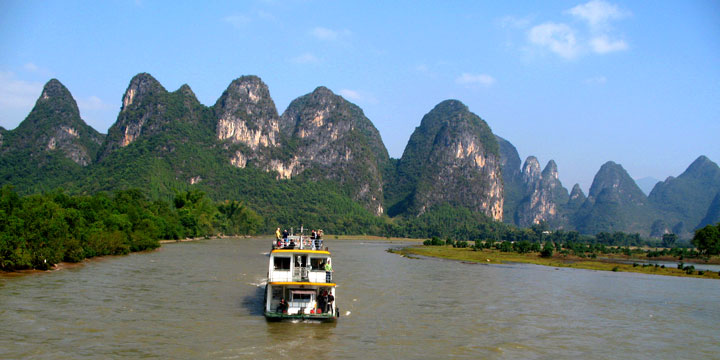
pixel 298 242
pixel 300 274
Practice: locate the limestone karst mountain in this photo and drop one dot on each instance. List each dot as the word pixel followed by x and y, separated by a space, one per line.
pixel 328 137
pixel 451 158
pixel 51 145
pixel 324 160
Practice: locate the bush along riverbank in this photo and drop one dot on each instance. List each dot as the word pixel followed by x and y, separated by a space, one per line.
pixel 39 231
pixel 578 256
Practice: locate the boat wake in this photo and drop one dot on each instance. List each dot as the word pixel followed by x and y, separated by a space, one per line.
pixel 260 283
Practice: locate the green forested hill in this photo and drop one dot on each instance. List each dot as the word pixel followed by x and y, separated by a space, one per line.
pixel 323 164
pixel 686 200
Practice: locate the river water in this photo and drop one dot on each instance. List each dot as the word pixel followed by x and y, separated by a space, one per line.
pixel 202 300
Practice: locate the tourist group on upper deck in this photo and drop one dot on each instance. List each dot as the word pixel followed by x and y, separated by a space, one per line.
pixel 283 240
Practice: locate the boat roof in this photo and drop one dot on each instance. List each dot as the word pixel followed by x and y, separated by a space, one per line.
pixel 299 251
pixel 294 283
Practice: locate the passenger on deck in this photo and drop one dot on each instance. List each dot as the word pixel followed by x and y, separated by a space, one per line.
pixel 292 244
pixel 279 243
pixel 313 235
pixel 328 271
pixel 322 301
pixel 330 299
pixel 277 234
pixel 282 306
pixel 285 234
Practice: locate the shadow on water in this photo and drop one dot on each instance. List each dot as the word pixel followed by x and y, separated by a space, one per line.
pixel 253 302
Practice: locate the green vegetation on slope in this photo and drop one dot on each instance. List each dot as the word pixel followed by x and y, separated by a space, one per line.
pixel 38 231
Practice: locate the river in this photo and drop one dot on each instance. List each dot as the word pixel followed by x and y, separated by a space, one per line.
pixel 202 300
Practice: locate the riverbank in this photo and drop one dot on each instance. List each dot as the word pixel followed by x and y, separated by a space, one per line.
pixel 488 256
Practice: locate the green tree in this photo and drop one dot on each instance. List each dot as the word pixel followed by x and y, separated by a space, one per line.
pixel 668 240
pixel 547 250
pixel 707 239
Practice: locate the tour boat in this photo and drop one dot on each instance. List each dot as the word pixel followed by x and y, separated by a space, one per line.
pixel 300 284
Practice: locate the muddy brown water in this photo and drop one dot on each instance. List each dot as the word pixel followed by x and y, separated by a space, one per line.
pixel 202 300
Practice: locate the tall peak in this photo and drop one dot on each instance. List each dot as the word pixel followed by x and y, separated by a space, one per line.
pixel 531 170
pixel 577 192
pixel 322 91
pixel 141 85
pixel 246 114
pixel 701 165
pixel 186 90
pixel 248 89
pixel 54 89
pixel 613 176
pixel 550 170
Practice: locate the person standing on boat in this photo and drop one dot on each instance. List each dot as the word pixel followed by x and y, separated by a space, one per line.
pixel 330 299
pixel 322 301
pixel 277 234
pixel 282 306
pixel 328 271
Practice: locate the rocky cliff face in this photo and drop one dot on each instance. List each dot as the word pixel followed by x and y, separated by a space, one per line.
pixel 247 117
pixel 451 158
pixel 148 109
pixel 331 136
pixel 513 185
pixel 54 125
pixel 577 198
pixel 546 197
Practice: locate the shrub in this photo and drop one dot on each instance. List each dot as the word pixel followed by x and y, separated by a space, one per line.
pixel 546 252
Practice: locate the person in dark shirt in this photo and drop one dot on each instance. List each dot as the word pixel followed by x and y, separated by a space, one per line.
pixel 282 306
pixel 330 299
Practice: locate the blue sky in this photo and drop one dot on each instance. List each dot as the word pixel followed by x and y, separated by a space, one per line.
pixel 579 82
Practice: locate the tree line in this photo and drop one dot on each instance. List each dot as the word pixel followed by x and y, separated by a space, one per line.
pixel 38 231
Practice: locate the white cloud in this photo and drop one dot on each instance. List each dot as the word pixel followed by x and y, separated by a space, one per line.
pixel 93 103
pixel 350 94
pixel 306 58
pixel 603 45
pixel 597 80
pixel 31 67
pixel 17 98
pixel 479 79
pixel 558 38
pixel 16 93
pixel 238 21
pixel 358 96
pixel 514 22
pixel 597 12
pixel 326 34
pixel 422 68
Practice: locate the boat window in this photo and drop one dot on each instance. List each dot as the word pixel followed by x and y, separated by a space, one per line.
pixel 317 263
pixel 282 263
pixel 300 295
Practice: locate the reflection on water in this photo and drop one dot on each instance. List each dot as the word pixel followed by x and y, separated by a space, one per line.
pixel 203 300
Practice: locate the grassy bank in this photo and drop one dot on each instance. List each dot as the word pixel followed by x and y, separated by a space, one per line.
pixel 497 257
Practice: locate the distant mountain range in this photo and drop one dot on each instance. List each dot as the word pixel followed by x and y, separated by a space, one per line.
pixel 323 160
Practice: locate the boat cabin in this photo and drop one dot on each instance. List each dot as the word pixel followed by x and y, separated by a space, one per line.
pixel 299 286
